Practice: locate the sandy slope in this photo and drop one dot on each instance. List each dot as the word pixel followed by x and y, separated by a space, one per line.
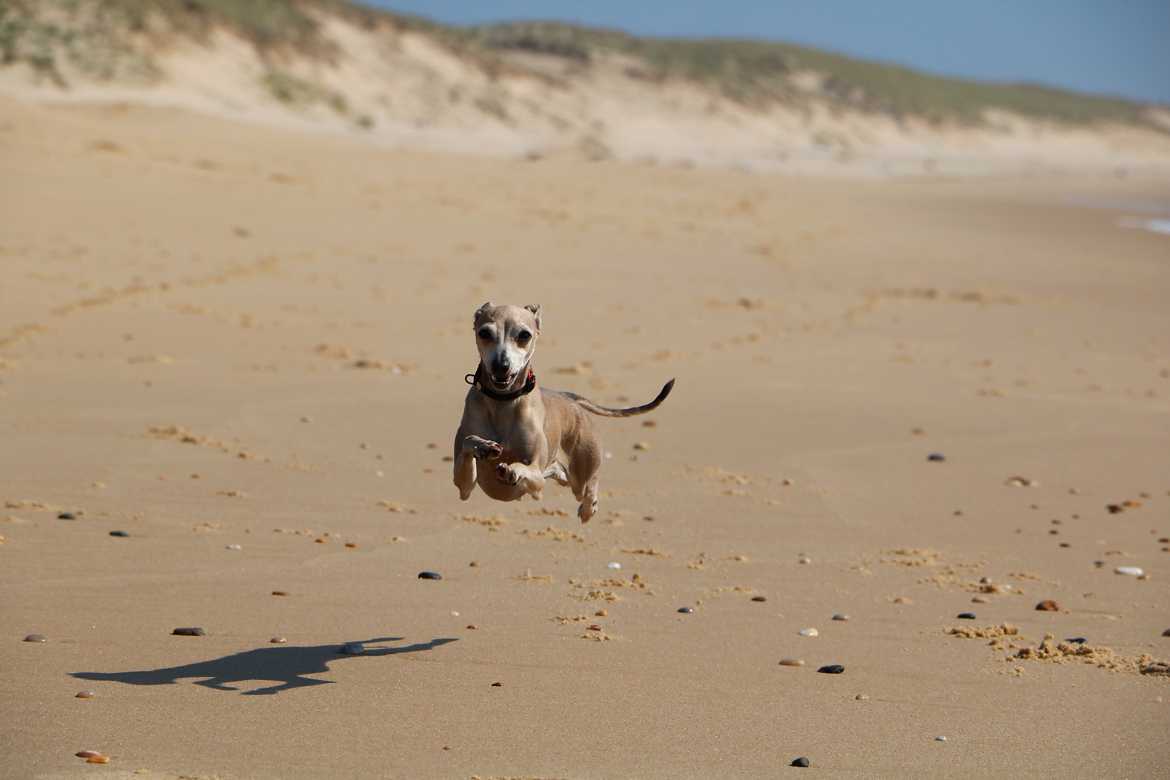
pixel 159 269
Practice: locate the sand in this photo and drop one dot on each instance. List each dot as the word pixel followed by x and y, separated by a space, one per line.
pixel 245 347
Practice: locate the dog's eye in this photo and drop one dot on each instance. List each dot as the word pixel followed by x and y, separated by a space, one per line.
pixel 522 337
pixel 485 334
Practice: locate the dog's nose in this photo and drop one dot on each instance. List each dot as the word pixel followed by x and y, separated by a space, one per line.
pixel 500 366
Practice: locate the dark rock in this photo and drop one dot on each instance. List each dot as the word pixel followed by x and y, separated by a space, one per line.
pixel 936 457
pixel 429 575
pixel 832 669
pixel 686 610
pixel 190 631
pixel 35 638
pixel 66 516
pixel 497 685
pixel 1166 632
pixel 1047 605
pixel 802 762
pixel 759 598
pixel 1076 640
pixel 966 616
pixel 85 695
pixel 840 616
pixel 121 534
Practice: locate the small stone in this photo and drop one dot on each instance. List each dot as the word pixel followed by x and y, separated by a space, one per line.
pixel 353 648
pixel 66 516
pixel 978 599
pixel 642 445
pixel 121 534
pixel 594 627
pixel 940 739
pixel 1076 640
pixel 277 640
pixel 233 547
pixel 1047 605
pixel 759 598
pixel 351 545
pixel 792 662
pixel 936 457
pixel 903 600
pixel 804 559
pixel 802 762
pixel 613 565
pixel 861 697
pixel 472 627
pixel 840 616
pixel 280 593
pixel 1166 632
pixel 809 632
pixel 98 760
pixel 1018 481
pixel 1114 509
pixel 686 610
pixel 832 669
pixel 86 753
pixel 429 575
pixel 601 613
pixel 1129 571
pixel 191 631
pixel 85 695
pixel 35 638
pixel 965 616
pixel 497 685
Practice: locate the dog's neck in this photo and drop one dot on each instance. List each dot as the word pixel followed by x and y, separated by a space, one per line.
pixel 522 385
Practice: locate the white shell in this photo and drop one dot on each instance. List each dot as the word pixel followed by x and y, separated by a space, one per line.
pixel 1132 571
pixel 613 565
pixel 809 632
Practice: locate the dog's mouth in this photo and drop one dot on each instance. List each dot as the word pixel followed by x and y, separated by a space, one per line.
pixel 503 382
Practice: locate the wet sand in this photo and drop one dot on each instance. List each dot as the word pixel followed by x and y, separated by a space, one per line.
pixel 217 335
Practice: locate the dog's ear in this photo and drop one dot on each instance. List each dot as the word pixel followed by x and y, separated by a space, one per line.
pixel 535 309
pixel 480 313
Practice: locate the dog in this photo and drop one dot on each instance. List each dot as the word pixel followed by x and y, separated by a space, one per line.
pixel 515 435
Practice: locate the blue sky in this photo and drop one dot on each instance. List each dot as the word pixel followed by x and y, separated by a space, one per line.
pixel 1119 47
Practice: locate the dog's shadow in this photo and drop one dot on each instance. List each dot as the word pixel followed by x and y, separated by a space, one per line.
pixel 284 665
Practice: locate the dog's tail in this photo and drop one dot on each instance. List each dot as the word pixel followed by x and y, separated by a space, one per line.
pixel 605 411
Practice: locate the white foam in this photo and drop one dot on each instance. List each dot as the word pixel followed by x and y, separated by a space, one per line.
pixel 1153 225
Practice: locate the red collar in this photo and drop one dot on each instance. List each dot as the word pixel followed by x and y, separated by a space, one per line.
pixel 475 381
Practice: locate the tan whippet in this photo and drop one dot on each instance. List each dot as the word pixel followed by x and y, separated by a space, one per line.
pixel 526 434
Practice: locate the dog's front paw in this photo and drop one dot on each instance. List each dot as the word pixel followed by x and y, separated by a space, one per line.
pixel 480 447
pixel 506 474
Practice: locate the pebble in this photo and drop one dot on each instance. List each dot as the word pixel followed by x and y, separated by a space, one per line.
pixel 122 534
pixel 277 640
pixel 861 697
pixel 965 616
pixel 802 761
pixel 686 610
pixel 936 457
pixel 1076 640
pixel 613 565
pixel 840 616
pixel 809 632
pixel 602 612
pixel 351 545
pixel 1166 632
pixel 1047 605
pixel 353 648
pixel 66 516
pixel 832 669
pixel 99 759
pixel 86 753
pixel 804 559
pixel 233 547
pixel 35 638
pixel 85 695
pixel 792 662
pixel 280 593
pixel 1129 571
pixel 497 685
pixel 642 445
pixel 429 575
pixel 191 631
pixel 903 600
pixel 978 599
pixel 940 739
pixel 759 598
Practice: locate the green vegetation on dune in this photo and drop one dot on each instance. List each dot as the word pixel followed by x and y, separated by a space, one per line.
pixel 98 37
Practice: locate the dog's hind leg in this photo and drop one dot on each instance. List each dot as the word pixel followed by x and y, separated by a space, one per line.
pixel 588 506
pixel 583 468
pixel 557 473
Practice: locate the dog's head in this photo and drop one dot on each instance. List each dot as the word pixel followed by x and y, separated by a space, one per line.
pixel 506 337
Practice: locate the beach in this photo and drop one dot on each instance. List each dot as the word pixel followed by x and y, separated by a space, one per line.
pixel 898 399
